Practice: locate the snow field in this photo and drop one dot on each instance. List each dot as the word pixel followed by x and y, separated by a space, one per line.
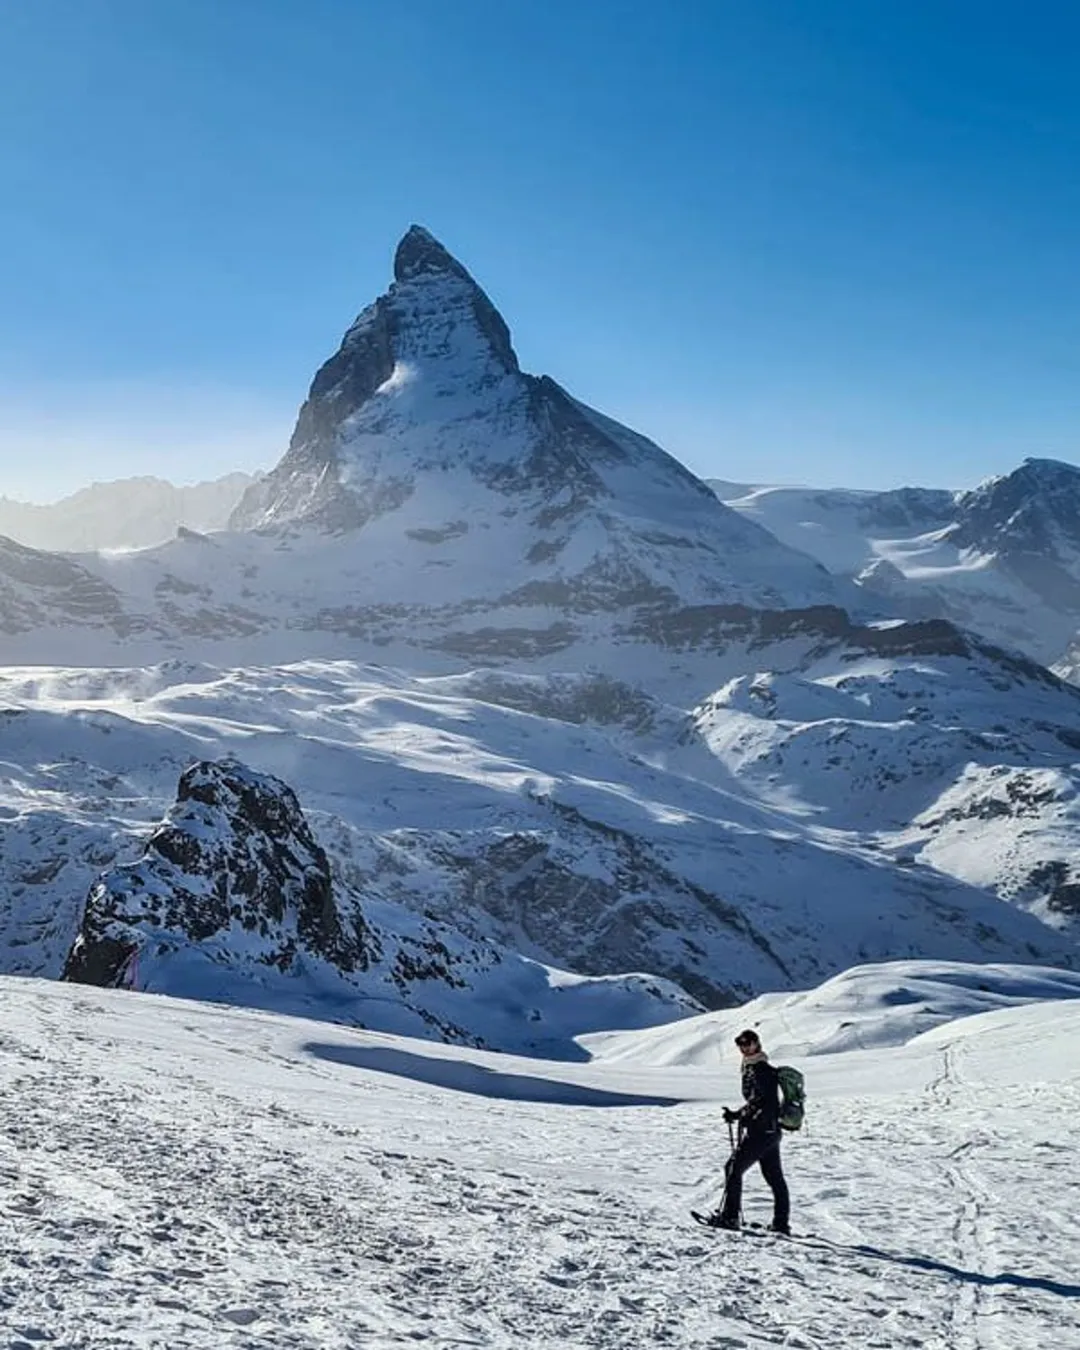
pixel 395 771
pixel 179 1175
pixel 911 552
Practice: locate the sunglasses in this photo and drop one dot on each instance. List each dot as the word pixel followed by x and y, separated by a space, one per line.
pixel 745 1042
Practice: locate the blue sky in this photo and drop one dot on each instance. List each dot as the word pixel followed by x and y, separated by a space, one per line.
pixel 830 242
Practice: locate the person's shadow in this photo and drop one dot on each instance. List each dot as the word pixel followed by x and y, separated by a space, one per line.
pixel 461 1076
pixel 1041 1282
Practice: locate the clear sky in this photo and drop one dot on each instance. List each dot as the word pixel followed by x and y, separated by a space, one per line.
pixel 830 241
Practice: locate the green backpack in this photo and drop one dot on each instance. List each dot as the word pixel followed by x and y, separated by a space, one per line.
pixel 793 1088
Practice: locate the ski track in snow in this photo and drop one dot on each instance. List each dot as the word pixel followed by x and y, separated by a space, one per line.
pixel 176 1175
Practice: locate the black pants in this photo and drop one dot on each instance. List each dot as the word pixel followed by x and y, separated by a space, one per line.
pixel 755 1147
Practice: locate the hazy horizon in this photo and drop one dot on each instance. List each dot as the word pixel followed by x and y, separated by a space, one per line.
pixel 251 473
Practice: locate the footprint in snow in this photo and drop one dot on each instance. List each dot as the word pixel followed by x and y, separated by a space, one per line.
pixel 241 1317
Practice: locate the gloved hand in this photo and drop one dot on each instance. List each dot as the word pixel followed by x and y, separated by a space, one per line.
pixel 731 1116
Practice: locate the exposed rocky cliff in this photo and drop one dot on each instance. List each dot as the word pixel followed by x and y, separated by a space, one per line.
pixel 234 872
pixel 234 900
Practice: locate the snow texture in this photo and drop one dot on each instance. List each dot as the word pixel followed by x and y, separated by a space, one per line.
pixel 539 693
pixel 423 441
pixel 577 822
pixel 185 1176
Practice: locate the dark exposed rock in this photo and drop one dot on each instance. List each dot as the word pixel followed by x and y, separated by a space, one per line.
pixel 1020 796
pixel 508 644
pixel 234 855
pixel 1030 519
pixel 595 898
pixel 1061 887
pixel 695 626
pixel 419 253
pixel 907 508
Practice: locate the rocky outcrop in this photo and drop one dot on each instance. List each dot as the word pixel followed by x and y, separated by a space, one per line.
pixel 235 901
pixel 235 870
pixel 1034 509
pixel 1030 521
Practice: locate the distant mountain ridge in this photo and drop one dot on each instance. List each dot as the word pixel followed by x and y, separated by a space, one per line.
pixel 1002 558
pixel 125 513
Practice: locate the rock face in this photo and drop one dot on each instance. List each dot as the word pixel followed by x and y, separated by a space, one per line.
pixel 681 755
pixel 1030 521
pixel 422 434
pixel 38 588
pixel 750 845
pixel 235 901
pixel 234 863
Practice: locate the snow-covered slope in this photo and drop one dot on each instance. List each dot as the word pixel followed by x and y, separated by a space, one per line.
pixel 1002 559
pixel 128 513
pixel 434 489
pixel 516 664
pixel 865 1008
pixel 184 1176
pixel 580 822
pixel 921 761
pixel 234 899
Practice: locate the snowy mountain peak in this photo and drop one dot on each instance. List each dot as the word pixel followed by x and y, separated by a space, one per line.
pixel 431 285
pixel 419 253
pixel 1029 521
pixel 439 314
pixel 1017 508
pixel 423 433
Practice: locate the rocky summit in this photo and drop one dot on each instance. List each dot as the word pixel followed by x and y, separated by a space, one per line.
pixel 422 435
pixel 1029 520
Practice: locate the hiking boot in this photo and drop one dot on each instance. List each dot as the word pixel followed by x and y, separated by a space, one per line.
pixel 721 1221
pixel 781 1228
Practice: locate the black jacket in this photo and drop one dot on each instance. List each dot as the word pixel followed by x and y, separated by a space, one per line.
pixel 761 1091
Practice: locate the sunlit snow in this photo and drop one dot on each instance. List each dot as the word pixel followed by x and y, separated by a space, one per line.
pixel 180 1175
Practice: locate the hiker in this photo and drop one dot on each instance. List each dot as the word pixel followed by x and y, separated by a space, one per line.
pixel 759 1138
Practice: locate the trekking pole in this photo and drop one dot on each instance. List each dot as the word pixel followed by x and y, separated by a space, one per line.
pixel 727 1169
pixel 727 1172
